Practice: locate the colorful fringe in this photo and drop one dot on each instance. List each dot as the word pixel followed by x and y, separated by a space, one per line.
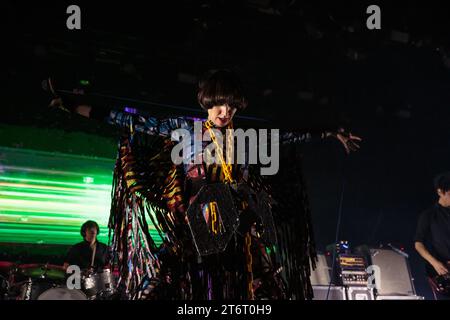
pixel 147 185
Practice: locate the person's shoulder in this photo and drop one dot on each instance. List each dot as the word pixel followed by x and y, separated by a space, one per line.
pixel 428 211
pixel 79 244
pixel 76 246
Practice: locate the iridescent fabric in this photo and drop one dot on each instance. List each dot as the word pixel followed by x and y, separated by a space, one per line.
pixel 221 241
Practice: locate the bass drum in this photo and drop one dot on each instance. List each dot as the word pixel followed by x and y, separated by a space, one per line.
pixel 60 293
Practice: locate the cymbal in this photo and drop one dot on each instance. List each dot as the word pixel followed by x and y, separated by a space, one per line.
pixel 42 271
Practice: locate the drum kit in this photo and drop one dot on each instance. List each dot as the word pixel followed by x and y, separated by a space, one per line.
pixel 49 282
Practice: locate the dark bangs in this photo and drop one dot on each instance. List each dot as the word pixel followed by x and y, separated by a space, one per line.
pixel 221 87
pixel 442 181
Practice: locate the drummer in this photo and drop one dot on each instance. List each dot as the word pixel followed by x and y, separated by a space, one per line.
pixel 90 254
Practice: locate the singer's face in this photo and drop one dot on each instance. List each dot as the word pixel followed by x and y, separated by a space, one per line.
pixel 221 115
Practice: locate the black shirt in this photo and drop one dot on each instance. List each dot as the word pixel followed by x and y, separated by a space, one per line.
pixel 433 230
pixel 81 255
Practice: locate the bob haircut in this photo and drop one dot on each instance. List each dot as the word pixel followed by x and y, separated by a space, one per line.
pixel 221 87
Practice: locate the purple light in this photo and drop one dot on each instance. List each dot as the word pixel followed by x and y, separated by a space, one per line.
pixel 195 119
pixel 131 110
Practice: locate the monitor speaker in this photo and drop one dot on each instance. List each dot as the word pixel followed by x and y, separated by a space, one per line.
pixel 395 275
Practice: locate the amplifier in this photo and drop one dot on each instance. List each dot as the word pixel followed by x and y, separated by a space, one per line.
pixel 336 293
pixel 354 278
pixel 352 262
pixel 353 270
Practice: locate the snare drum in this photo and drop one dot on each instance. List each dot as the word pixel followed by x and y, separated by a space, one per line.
pixel 98 283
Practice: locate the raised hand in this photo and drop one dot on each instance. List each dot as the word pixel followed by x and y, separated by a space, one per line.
pixel 348 140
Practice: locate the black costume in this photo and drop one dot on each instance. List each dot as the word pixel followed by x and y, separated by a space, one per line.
pixel 81 255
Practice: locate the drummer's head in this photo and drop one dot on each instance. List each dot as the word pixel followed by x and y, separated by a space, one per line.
pixel 90 230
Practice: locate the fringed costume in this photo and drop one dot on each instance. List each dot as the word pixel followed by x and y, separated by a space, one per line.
pixel 228 232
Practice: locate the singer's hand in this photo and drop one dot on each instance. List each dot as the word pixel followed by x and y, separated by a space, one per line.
pixel 348 140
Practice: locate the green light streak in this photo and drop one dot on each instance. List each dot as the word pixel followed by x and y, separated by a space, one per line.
pixel 45 197
pixel 50 197
pixel 57 183
pixel 49 172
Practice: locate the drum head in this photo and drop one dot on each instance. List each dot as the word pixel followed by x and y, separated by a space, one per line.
pixel 62 294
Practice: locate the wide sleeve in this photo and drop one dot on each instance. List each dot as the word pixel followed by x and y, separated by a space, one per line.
pixel 299 137
pixel 146 124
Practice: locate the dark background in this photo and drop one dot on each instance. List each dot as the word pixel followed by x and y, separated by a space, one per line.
pixel 306 66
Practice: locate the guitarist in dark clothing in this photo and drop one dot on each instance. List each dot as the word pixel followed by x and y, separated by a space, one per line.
pixel 432 239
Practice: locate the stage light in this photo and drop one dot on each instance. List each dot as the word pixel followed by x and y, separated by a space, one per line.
pixel 130 110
